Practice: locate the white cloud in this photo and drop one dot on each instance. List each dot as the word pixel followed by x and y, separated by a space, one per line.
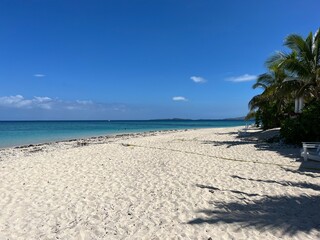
pixel 39 75
pixel 242 78
pixel 43 99
pixel 179 98
pixel 84 102
pixel 198 79
pixel 47 103
pixel 19 101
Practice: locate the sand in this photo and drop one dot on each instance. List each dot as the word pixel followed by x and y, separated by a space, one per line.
pixel 195 184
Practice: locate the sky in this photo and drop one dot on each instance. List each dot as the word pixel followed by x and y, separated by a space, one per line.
pixel 140 59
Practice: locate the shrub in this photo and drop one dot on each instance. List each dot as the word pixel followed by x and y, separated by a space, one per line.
pixel 304 127
pixel 291 130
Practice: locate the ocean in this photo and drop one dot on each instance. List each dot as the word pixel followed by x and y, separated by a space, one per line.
pixel 17 133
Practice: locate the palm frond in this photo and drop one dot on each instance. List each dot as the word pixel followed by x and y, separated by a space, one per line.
pixel 297 44
pixel 250 115
pixel 275 60
pixel 264 80
pixel 316 47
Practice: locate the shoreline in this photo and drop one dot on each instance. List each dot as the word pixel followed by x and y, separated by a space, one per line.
pixel 14 134
pixel 111 135
pixel 190 184
pixel 76 142
pixel 91 139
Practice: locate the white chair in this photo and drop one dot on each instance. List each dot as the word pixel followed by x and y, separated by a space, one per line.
pixel 311 150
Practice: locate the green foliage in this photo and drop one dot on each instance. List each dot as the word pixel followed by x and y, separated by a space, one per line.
pixel 270 118
pixel 291 130
pixel 291 75
pixel 310 122
pixel 258 118
pixel 304 127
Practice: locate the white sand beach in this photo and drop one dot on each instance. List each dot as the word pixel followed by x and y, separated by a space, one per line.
pixel 195 184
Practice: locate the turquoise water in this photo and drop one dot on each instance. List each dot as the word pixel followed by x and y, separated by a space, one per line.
pixel 16 133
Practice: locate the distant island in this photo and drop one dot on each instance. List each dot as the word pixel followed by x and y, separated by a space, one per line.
pixel 186 119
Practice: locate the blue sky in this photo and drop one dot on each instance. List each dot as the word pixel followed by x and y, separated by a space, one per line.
pixel 63 59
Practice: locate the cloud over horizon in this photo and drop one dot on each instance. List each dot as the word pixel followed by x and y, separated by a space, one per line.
pixel 198 79
pixel 47 103
pixel 179 98
pixel 18 101
pixel 242 78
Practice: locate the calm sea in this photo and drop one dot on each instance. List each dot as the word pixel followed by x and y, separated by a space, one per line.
pixel 15 133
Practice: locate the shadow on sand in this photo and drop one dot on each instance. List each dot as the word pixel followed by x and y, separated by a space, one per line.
pixel 288 214
pixel 269 141
pixel 305 185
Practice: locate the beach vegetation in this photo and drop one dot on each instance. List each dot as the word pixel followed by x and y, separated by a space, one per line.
pixel 292 77
pixel 303 127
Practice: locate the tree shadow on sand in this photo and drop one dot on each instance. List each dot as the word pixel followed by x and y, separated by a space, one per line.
pixel 288 214
pixel 269 141
pixel 306 185
pixel 307 168
pixel 262 141
pixel 305 171
pixel 284 150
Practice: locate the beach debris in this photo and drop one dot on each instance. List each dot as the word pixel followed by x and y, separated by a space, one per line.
pixel 36 149
pixel 126 145
pixel 82 143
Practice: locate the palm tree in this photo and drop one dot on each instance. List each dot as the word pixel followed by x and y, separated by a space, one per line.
pixel 302 65
pixel 269 105
pixel 293 75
